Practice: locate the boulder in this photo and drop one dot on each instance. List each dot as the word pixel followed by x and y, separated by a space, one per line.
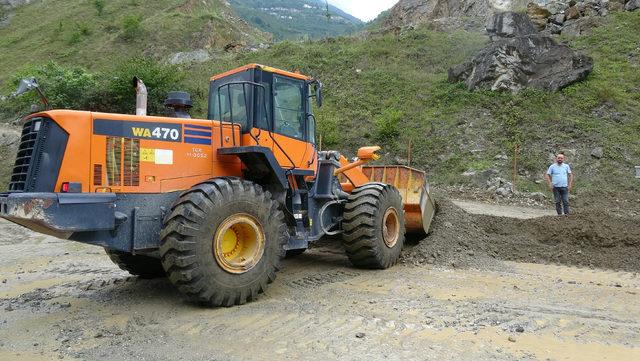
pixel 615 6
pixel 575 28
pixel 511 64
pixel 632 5
pixel 553 28
pixel 572 13
pixel 196 56
pixel 597 152
pixel 538 15
pixel 538 196
pixel 555 7
pixel 558 19
pixel 509 25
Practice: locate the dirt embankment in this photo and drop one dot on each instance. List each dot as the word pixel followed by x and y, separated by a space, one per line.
pixel 588 238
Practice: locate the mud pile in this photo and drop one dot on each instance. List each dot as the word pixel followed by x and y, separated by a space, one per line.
pixel 456 239
pixel 590 238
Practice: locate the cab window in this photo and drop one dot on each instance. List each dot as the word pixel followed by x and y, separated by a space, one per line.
pixel 232 103
pixel 288 107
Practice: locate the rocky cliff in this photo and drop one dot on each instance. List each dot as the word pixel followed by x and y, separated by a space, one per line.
pixel 473 14
pixel 447 14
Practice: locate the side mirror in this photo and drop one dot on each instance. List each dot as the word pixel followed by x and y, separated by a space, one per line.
pixel 319 94
pixel 30 84
pixel 26 85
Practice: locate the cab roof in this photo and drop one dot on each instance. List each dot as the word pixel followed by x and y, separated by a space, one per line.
pixel 264 68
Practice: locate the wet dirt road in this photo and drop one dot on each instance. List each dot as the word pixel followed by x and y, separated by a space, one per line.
pixel 62 300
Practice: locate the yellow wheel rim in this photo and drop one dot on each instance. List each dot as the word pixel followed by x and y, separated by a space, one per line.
pixel 238 244
pixel 390 227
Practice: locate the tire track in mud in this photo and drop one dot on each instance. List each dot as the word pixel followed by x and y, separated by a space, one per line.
pixel 321 279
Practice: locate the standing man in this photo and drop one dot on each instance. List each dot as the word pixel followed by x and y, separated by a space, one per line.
pixel 560 180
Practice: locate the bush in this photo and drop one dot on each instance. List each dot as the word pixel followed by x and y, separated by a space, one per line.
pixel 118 94
pixel 131 27
pixel 387 125
pixel 112 91
pixel 78 32
pixel 99 5
pixel 64 87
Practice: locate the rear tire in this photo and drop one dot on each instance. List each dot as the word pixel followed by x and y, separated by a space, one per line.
pixel 137 265
pixel 223 241
pixel 373 225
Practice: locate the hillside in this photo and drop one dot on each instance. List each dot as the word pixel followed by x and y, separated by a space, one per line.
pixel 392 90
pixel 89 33
pixel 292 19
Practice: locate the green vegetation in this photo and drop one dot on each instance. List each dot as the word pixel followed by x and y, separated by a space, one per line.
pixel 293 19
pixel 99 5
pixel 388 125
pixel 76 88
pixel 392 90
pixel 131 27
pixel 85 33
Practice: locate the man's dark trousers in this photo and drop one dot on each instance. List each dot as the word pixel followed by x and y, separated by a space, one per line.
pixel 561 194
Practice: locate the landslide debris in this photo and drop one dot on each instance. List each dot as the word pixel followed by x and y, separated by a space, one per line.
pixel 588 238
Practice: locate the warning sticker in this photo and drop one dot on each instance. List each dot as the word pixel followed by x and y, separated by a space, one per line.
pixel 147 155
pixel 156 156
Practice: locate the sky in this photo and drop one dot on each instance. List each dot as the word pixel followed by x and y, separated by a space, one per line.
pixel 365 10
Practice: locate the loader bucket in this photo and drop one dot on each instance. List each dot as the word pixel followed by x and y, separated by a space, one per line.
pixel 419 205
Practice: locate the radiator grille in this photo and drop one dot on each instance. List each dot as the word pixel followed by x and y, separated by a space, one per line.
pixel 27 160
pixel 123 162
pixel 97 174
pixel 131 169
pixel 114 161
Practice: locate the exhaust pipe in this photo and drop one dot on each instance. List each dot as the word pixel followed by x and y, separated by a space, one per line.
pixel 141 96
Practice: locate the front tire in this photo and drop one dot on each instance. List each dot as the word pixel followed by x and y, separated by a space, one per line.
pixel 373 224
pixel 223 241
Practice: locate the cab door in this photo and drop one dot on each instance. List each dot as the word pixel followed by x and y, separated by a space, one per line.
pixel 293 134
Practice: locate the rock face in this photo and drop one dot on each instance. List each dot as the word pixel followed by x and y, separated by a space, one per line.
pixel 6 10
pixel 550 16
pixel 13 3
pixel 448 13
pixel 514 62
pixel 509 25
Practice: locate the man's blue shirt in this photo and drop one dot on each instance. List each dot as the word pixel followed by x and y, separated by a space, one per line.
pixel 559 174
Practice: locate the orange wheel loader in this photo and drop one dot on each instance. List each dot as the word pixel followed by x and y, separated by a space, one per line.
pixel 214 204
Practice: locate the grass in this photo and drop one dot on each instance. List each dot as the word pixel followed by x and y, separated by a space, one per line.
pixel 393 91
pixel 452 129
pixel 77 33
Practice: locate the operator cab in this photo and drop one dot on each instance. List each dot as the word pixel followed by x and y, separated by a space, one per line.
pixel 267 99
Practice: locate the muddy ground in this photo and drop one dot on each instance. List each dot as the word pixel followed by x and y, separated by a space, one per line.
pixel 478 288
